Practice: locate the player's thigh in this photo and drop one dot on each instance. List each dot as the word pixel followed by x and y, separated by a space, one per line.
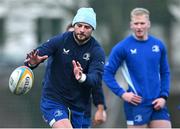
pixel 160 119
pixel 160 124
pixel 63 123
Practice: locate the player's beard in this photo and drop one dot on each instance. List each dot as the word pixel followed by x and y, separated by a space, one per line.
pixel 81 37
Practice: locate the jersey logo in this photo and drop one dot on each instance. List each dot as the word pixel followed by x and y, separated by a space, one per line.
pixel 58 113
pixel 133 51
pixel 138 118
pixel 65 51
pixel 155 48
pixel 86 56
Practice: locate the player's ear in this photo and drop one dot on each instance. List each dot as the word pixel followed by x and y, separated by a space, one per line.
pixel 131 24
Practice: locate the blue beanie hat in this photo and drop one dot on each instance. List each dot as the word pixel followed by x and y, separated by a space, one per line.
pixel 86 15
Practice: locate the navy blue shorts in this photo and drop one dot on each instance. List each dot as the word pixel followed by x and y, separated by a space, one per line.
pixel 86 122
pixel 144 113
pixel 53 111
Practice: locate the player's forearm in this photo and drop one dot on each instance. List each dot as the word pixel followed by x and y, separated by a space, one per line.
pixel 93 79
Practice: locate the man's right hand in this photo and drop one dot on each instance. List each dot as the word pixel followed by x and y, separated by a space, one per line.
pixel 33 58
pixel 131 98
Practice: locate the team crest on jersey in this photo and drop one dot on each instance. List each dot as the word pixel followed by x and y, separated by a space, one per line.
pixel 58 113
pixel 155 48
pixel 66 51
pixel 86 56
pixel 133 51
pixel 138 118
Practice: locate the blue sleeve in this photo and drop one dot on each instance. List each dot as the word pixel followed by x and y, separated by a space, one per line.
pixel 115 60
pixel 96 68
pixel 164 74
pixel 47 48
pixel 98 96
pixel 51 46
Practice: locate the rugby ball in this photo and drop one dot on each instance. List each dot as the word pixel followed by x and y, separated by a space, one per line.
pixel 21 80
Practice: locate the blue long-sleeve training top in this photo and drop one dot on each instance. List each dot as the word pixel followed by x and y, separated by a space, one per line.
pixel 144 65
pixel 59 83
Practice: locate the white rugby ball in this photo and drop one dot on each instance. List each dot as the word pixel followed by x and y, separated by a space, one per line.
pixel 21 80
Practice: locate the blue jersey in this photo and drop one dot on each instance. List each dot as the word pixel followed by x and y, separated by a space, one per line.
pixel 144 65
pixel 59 83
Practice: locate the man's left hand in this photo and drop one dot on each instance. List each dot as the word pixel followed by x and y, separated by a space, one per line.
pixel 100 116
pixel 159 103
